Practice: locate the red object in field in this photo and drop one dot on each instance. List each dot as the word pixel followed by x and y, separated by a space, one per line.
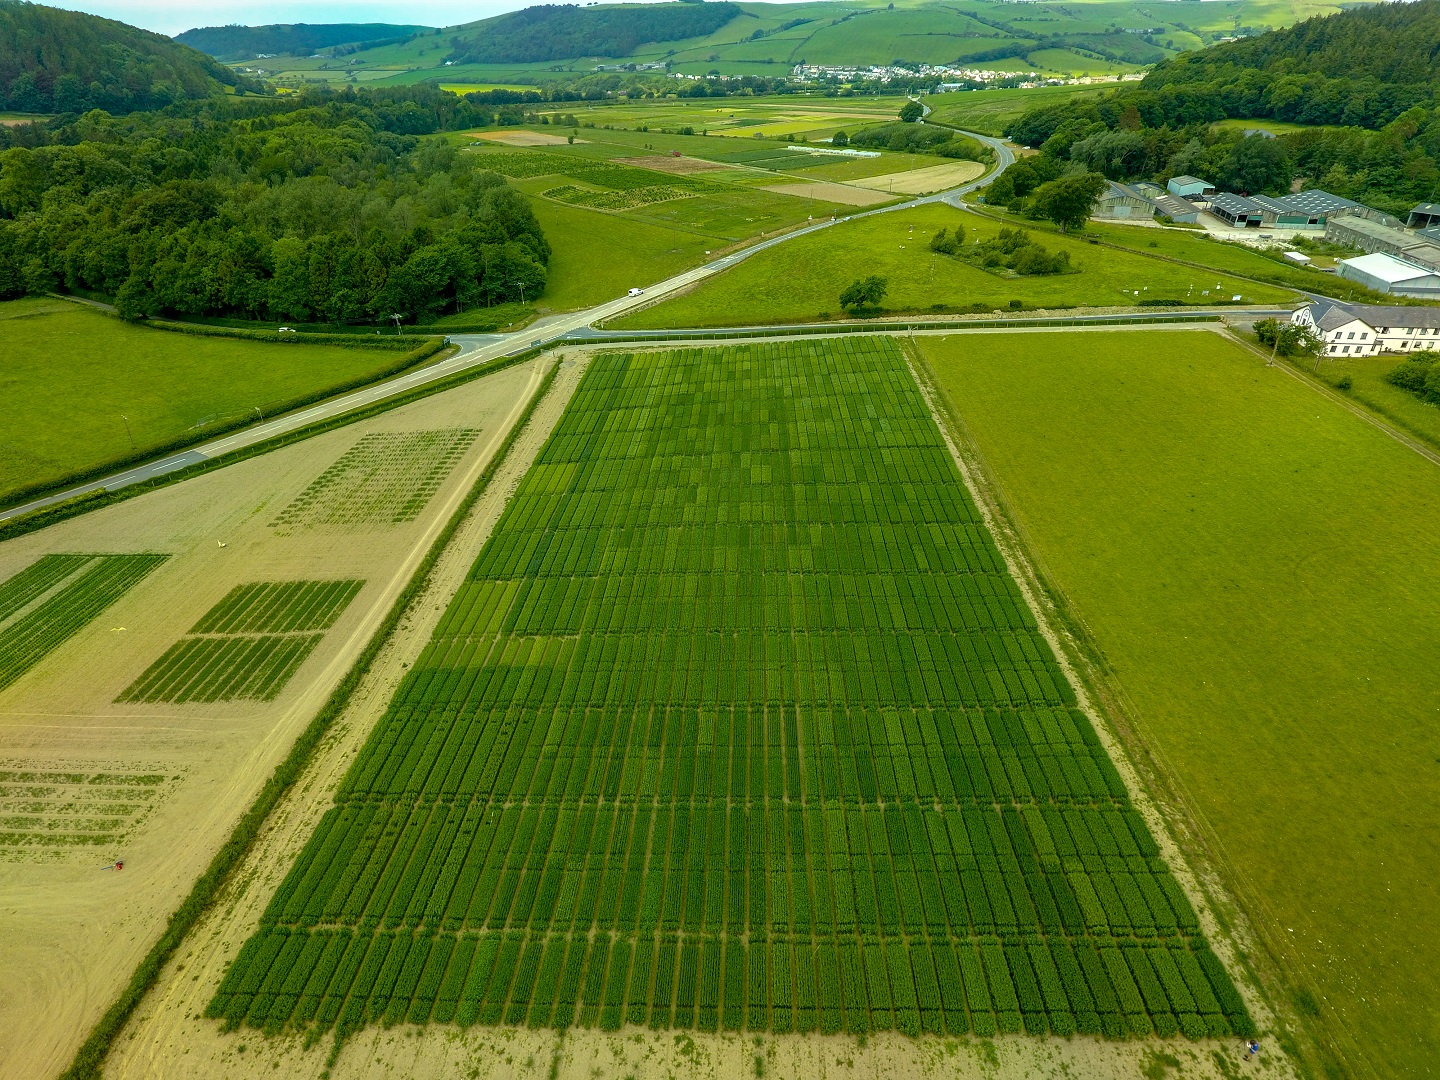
pixel 119 865
pixel 674 153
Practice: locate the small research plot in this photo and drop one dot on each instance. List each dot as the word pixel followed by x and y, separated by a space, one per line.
pixel 248 646
pixel 384 479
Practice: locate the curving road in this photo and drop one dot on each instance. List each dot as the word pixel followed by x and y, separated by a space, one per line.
pixel 479 349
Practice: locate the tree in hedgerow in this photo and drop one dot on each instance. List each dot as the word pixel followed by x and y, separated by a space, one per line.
pixel 911 111
pixel 840 138
pixel 1287 339
pixel 864 293
pixel 947 242
pixel 1068 201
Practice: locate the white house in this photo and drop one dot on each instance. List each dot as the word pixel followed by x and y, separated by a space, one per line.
pixel 1368 329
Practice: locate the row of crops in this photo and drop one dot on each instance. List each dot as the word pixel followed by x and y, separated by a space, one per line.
pixel 738 722
pixel 386 478
pixel 46 813
pixel 626 199
pixel 987 986
pixel 229 656
pixel 51 600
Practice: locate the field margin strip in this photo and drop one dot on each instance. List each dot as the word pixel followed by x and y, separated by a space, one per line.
pixel 89 1059
pixel 1172 819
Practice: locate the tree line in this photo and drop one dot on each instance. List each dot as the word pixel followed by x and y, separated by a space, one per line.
pixel 321 206
pixel 565 31
pixel 1383 102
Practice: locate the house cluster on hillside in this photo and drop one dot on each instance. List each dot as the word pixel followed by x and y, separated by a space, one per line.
pixel 1368 329
pixel 1402 259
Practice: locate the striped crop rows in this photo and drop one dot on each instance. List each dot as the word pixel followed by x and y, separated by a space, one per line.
pixel 228 656
pixel 88 584
pixel 386 478
pixel 738 722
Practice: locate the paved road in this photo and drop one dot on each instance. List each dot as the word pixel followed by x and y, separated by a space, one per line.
pixel 480 349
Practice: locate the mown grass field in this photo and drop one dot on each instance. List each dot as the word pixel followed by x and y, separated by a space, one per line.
pixel 738 723
pixel 596 257
pixel 1258 567
pixel 70 376
pixel 1368 386
pixel 988 111
pixel 801 280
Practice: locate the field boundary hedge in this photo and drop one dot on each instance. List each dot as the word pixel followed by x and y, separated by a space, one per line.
pixel 90 1057
pixel 415 356
pixel 94 500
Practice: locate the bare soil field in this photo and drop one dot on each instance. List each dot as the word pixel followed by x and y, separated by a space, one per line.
pixel 924 181
pixel 72 932
pixel 843 194
pixel 670 164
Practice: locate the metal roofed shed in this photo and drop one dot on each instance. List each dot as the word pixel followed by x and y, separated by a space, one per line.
pixel 1237 210
pixel 1119 202
pixel 1284 212
pixel 1372 237
pixel 1387 274
pixel 1424 216
pixel 1190 187
pixel 1299 258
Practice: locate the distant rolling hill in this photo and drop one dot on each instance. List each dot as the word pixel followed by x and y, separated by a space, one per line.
pixel 65 61
pixel 235 43
pixel 767 39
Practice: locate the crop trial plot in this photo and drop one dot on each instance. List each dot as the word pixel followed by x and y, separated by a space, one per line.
pixel 47 811
pixel 738 722
pixel 384 479
pixel 36 617
pixel 247 646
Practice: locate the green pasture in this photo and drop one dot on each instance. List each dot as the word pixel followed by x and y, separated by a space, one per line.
pixel 1258 568
pixel 596 256
pixel 70 377
pixel 1368 386
pixel 801 280
pixel 988 111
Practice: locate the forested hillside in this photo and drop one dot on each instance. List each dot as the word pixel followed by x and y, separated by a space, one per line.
pixel 65 61
pixel 232 43
pixel 1365 80
pixel 317 206
pixel 562 32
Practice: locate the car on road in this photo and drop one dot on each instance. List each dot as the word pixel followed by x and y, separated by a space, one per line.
pixel 635 292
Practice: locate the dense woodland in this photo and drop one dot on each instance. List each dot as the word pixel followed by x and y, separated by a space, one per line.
pixel 231 43
pixel 1369 74
pixel 321 206
pixel 65 61
pixel 565 31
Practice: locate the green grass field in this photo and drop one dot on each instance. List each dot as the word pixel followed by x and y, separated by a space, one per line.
pixel 737 723
pixel 1258 568
pixel 596 257
pixel 1367 376
pixel 73 377
pixel 800 280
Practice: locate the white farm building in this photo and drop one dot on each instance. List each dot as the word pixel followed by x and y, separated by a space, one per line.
pixel 1368 329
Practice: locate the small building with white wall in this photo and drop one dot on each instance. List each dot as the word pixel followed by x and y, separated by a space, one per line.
pixel 1190 187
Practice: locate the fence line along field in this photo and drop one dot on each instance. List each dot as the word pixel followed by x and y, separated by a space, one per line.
pixel 738 722
pixel 248 645
pixel 91 583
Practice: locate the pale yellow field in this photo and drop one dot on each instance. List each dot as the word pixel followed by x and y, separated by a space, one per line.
pixel 827 192
pixel 924 181
pixel 524 138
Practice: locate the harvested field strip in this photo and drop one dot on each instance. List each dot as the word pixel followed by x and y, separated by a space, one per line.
pixel 279 607
pixel 31 637
pixel 602 174
pixel 47 811
pixel 228 657
pixel 384 479
pixel 738 723
pixel 36 580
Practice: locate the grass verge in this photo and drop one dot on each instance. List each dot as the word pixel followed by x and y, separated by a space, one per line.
pixel 90 1058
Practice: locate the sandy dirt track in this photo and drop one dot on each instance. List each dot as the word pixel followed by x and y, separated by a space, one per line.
pixel 70 933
